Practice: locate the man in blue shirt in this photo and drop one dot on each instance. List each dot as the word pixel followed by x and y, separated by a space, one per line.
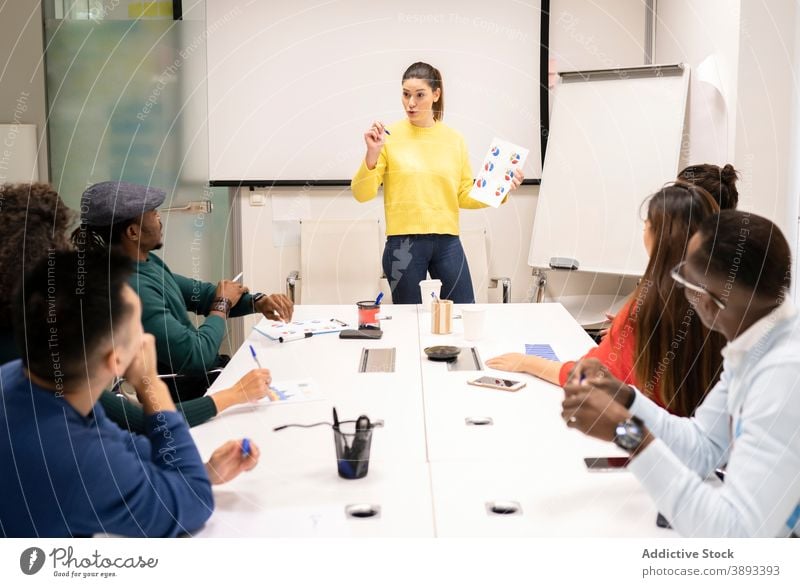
pixel 67 470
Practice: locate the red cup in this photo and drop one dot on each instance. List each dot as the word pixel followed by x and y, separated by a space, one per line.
pixel 368 315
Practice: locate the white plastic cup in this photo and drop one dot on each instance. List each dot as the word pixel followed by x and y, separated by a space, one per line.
pixel 426 288
pixel 474 320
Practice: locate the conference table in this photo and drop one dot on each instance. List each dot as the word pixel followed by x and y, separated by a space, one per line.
pixel 452 459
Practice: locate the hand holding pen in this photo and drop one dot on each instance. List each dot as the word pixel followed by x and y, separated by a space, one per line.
pixel 374 139
pixel 231 459
pixel 270 391
pixel 231 290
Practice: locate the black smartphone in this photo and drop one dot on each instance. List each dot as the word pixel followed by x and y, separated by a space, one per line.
pixel 606 463
pixel 361 333
pixel 662 522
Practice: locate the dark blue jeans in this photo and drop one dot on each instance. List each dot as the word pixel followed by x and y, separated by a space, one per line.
pixel 408 258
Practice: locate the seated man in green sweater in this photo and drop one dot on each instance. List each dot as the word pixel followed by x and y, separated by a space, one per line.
pixel 115 213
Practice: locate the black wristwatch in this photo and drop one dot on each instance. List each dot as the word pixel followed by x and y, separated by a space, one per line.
pixel 629 434
pixel 255 298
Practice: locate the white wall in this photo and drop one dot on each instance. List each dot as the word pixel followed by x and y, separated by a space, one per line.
pixel 689 31
pixel 583 35
pixel 22 97
pixel 756 44
pixel 766 86
pixel 596 35
pixel 794 156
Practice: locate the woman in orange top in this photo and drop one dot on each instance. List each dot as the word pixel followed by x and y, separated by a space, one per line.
pixel 655 342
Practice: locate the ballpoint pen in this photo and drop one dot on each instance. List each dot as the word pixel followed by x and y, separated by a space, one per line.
pixel 271 392
pixel 255 356
pixel 378 299
pixel 238 277
pixel 245 447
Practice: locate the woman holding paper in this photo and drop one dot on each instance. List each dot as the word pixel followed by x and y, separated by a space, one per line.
pixel 424 168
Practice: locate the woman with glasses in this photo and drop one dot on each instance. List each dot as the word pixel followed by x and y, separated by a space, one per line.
pixel 736 277
pixel 655 342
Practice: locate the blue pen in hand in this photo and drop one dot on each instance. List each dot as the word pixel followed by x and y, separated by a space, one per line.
pixel 255 356
pixel 245 448
pixel 273 393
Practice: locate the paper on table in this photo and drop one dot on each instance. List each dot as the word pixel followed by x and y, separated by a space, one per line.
pixel 545 351
pixel 274 329
pixel 311 520
pixel 497 171
pixel 301 390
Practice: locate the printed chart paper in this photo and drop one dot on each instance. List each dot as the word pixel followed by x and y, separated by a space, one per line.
pixel 273 329
pixel 498 169
pixel 301 390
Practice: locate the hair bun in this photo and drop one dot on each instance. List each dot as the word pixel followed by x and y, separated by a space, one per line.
pixel 729 174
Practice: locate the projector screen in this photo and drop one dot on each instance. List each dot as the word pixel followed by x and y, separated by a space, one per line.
pixel 292 86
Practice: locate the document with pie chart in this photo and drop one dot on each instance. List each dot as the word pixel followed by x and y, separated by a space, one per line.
pixel 494 176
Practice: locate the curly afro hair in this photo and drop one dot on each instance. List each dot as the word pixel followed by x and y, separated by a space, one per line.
pixel 33 219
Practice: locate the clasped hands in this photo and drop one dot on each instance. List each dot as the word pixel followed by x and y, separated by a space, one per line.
pixel 594 400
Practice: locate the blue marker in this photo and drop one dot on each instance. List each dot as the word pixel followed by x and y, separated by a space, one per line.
pixel 245 448
pixel 378 299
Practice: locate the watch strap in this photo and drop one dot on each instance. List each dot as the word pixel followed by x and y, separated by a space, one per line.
pixel 223 305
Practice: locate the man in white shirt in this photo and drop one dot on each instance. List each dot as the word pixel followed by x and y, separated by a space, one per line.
pixel 736 276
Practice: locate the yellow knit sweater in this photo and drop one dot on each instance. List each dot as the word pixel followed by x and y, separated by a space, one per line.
pixel 426 176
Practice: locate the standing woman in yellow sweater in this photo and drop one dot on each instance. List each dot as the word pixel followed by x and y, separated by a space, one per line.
pixel 426 176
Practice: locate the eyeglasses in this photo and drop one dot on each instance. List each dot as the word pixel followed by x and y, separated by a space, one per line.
pixel 683 282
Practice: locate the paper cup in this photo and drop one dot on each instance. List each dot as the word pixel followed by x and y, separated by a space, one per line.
pixel 426 288
pixel 474 320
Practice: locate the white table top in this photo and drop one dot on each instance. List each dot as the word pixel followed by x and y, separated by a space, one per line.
pixel 429 473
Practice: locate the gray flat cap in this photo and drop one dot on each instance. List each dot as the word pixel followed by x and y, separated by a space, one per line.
pixel 110 202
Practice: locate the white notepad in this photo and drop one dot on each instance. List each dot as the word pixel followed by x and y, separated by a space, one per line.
pixel 495 175
pixel 273 329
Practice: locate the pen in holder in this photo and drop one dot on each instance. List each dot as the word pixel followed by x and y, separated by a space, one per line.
pixel 352 438
pixel 353 441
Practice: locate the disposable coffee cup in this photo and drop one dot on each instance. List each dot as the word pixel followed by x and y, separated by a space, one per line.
pixel 427 287
pixel 474 320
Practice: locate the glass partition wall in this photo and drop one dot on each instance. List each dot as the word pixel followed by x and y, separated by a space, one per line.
pixel 127 100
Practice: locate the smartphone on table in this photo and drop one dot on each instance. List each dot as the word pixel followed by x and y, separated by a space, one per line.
pixel 498 383
pixel 606 463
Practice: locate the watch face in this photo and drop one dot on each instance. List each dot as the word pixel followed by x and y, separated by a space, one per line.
pixel 629 435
